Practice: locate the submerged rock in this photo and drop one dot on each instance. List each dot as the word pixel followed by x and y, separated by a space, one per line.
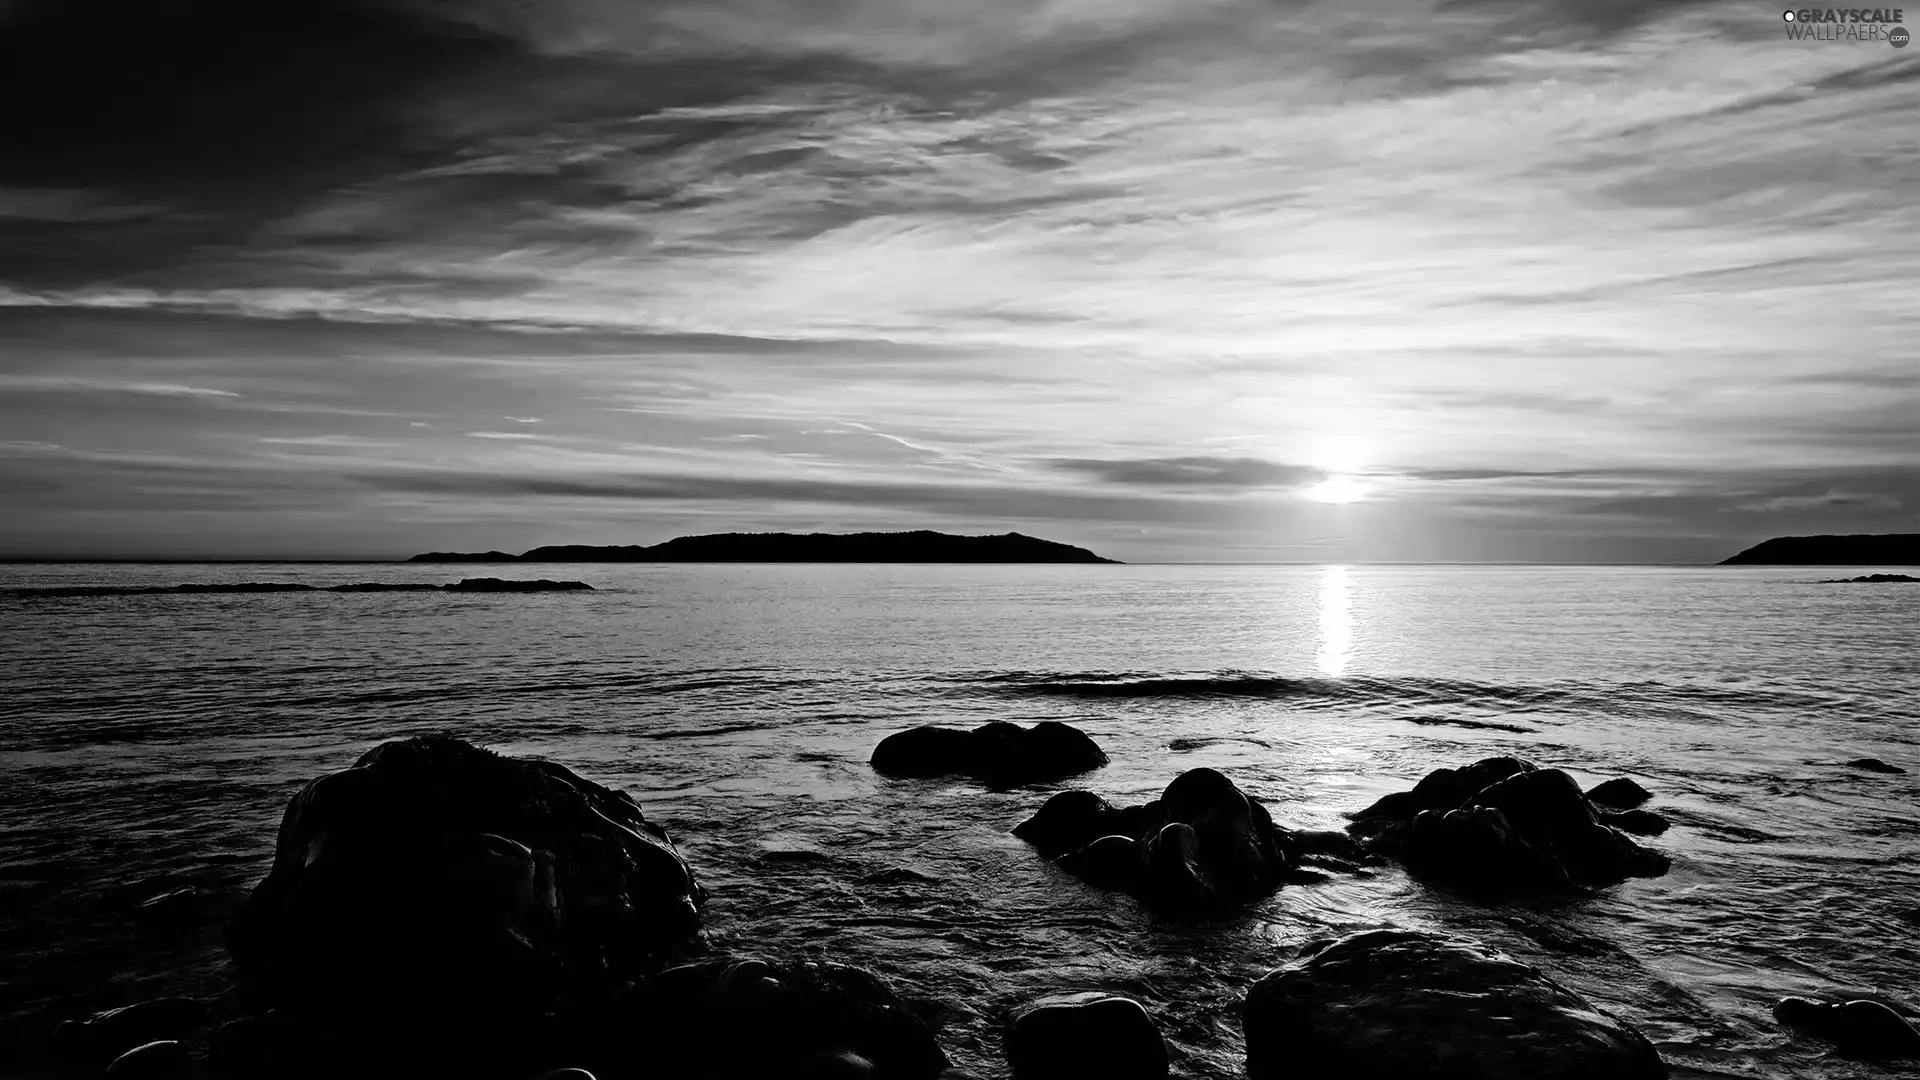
pixel 1504 825
pixel 1860 1028
pixel 1872 764
pixel 998 753
pixel 1619 793
pixel 439 893
pixel 1078 1035
pixel 729 1018
pixel 1398 1003
pixel 1203 841
pixel 1637 822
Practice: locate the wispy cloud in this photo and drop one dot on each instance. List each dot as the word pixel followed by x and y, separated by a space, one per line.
pixel 1527 267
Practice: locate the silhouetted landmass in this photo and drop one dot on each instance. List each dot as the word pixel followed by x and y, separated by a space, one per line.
pixel 464 556
pixel 1869 579
pixel 923 546
pixel 1884 549
pixel 485 584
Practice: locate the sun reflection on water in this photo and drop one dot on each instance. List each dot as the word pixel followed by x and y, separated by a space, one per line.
pixel 1336 622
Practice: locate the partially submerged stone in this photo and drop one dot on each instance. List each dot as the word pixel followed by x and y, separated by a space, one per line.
pixel 999 753
pixel 1505 825
pixel 1400 1003
pixel 1202 842
pixel 1067 1036
pixel 1859 1028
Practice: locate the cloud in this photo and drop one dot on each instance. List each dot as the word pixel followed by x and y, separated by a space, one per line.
pixel 73 385
pixel 1830 500
pixel 1190 472
pixel 950 258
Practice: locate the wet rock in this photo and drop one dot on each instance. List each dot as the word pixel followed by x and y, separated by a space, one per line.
pixel 999 753
pixel 1531 829
pixel 1441 789
pixel 106 1035
pixel 1864 1029
pixel 1328 842
pixel 163 1059
pixel 1068 821
pixel 491 584
pixel 1394 1003
pixel 748 1019
pixel 1637 822
pixel 1237 842
pixel 1870 764
pixel 439 893
pixel 1111 862
pixel 1619 793
pixel 1085 1035
pixel 1204 840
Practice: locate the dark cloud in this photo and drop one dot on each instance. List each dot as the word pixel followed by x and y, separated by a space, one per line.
pixel 1189 472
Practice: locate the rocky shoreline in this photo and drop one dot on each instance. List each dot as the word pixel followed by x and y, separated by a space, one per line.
pixel 441 910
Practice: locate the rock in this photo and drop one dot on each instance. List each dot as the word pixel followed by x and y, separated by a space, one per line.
pixel 1068 821
pixel 1394 1003
pixel 1203 840
pixel 1441 789
pixel 1089 1034
pixel 106 1035
pixel 747 1019
pixel 1864 1029
pixel 924 751
pixel 1619 793
pixel 999 753
pixel 1870 764
pixel 439 893
pixel 1637 822
pixel 492 584
pixel 1238 844
pixel 1328 842
pixel 1530 829
pixel 1111 862
pixel 163 1059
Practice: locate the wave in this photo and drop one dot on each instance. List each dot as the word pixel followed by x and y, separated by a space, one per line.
pixel 1262 685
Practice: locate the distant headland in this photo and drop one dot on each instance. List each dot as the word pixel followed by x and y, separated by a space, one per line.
pixel 868 547
pixel 1885 549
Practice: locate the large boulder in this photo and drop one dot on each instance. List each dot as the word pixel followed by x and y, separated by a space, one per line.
pixel 106 1035
pixel 435 891
pixel 1202 841
pixel 1067 1036
pixel 1397 1003
pixel 998 753
pixel 1859 1028
pixel 1505 825
pixel 743 1018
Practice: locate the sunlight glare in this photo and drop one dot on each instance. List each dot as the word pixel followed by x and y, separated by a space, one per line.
pixel 1336 489
pixel 1336 622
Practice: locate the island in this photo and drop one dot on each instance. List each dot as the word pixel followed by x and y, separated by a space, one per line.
pixel 1884 549
pixel 867 547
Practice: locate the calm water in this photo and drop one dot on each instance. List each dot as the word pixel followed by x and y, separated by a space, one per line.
pixel 152 741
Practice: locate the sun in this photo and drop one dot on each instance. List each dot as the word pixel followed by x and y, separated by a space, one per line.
pixel 1336 489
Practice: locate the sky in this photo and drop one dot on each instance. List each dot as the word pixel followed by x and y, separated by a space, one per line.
pixel 1176 280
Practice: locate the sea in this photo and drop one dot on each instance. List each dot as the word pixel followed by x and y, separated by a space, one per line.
pixel 149 745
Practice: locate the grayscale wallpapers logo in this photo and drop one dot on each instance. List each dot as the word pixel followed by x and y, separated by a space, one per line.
pixel 1848 24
